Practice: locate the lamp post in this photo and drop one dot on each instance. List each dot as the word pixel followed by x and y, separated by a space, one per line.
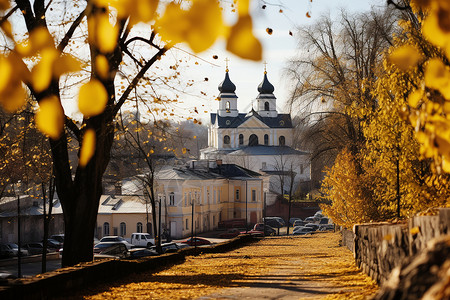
pixel 19 256
pixel 246 213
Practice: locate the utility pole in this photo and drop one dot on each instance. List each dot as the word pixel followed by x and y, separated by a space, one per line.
pixel 246 213
pixel 19 256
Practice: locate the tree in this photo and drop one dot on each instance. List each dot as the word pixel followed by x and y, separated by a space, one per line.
pixel 51 52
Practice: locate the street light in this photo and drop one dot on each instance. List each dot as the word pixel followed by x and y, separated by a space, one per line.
pixel 19 256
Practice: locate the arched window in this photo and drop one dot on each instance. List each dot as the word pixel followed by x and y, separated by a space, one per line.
pixel 266 139
pixel 266 105
pixel 282 140
pixel 241 139
pixel 227 106
pixel 139 227
pixel 123 229
pixel 253 140
pixel 172 198
pixel 226 140
pixel 105 229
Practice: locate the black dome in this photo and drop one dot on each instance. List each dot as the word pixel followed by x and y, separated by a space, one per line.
pixel 265 87
pixel 226 86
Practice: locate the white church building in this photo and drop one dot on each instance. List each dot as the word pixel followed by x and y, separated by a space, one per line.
pixel 260 140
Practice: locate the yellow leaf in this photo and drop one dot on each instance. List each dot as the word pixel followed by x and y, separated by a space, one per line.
pixel 405 57
pixel 183 150
pixel 102 66
pixel 433 32
pixel 14 98
pixel 242 42
pixel 66 64
pixel 143 10
pixel 7 29
pixel 39 40
pixel 41 75
pixel 92 98
pixel 445 165
pixel 414 98
pixel 102 33
pixel 87 147
pixel 415 230
pixel 6 71
pixel 50 117
pixel 437 77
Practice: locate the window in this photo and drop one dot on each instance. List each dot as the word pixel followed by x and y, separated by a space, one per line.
pixel 226 140
pixel 187 224
pixel 282 141
pixel 253 140
pixel 105 228
pixel 139 227
pixel 266 139
pixel 266 106
pixel 254 195
pixel 185 199
pixel 172 198
pixel 123 229
pixel 218 196
pixel 237 194
pixel 301 169
pixel 241 139
pixel 227 106
pixel 214 199
pixel 263 165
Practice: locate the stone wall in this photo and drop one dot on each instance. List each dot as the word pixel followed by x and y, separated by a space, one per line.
pixel 380 247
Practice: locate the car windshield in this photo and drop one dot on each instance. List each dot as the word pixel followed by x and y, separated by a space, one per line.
pixel 111 239
pixel 13 246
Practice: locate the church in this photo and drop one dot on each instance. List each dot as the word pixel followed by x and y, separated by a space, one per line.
pixel 260 140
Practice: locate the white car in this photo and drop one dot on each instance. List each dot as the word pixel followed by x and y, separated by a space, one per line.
pixel 142 240
pixel 302 230
pixel 115 238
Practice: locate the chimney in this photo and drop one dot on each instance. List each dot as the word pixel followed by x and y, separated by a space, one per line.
pixel 118 188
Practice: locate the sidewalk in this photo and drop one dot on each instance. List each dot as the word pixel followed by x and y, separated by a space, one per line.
pixel 312 267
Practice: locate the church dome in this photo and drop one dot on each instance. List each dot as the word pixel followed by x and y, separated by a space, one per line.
pixel 226 86
pixel 265 87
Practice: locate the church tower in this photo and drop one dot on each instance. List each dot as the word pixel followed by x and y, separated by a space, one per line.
pixel 266 100
pixel 227 98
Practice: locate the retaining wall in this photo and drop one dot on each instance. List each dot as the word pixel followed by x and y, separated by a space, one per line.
pixel 63 281
pixel 380 247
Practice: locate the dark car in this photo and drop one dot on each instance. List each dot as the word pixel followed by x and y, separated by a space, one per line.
pixel 5 251
pixel 273 222
pixel 302 230
pixel 34 248
pixel 266 230
pixel 313 226
pixel 54 244
pixel 229 234
pixel 299 223
pixel 116 249
pixel 58 237
pixel 233 223
pixel 141 252
pixel 167 247
pixel 196 241
pixel 292 221
pixel 15 249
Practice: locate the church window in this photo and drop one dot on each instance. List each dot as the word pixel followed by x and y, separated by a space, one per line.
pixel 227 106
pixel 266 139
pixel 241 139
pixel 226 140
pixel 266 106
pixel 228 122
pixel 281 123
pixel 253 140
pixel 282 141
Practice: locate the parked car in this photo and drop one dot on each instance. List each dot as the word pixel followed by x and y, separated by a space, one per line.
pixel 302 230
pixel 115 238
pixel 292 221
pixel 299 223
pixel 266 229
pixel 167 248
pixel 54 244
pixel 326 227
pixel 310 220
pixel 15 249
pixel 229 234
pixel 324 221
pixel 58 237
pixel 313 226
pixel 141 252
pixel 142 240
pixel 279 219
pixel 113 249
pixel 5 251
pixel 34 248
pixel 196 241
pixel 275 223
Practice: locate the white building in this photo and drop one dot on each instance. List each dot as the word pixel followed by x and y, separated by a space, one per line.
pixel 260 140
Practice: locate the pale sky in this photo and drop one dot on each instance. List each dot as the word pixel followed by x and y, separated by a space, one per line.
pixel 278 48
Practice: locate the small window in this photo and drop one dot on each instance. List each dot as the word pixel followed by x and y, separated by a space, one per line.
pixel 263 165
pixel 123 229
pixel 282 141
pixel 227 106
pixel 139 227
pixel 228 122
pixel 187 224
pixel 266 106
pixel 241 139
pixel 301 169
pixel 105 229
pixel 281 123
pixel 266 139
pixel 253 140
pixel 185 199
pixel 226 140
pixel 172 198
pixel 254 195
pixel 237 194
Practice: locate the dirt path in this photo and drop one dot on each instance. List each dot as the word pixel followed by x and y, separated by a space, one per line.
pixel 312 267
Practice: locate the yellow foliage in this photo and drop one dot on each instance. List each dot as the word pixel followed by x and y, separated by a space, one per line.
pixel 87 147
pixel 405 57
pixel 50 117
pixel 241 40
pixel 102 66
pixel 102 33
pixel 92 98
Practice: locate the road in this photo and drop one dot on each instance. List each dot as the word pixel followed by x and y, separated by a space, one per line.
pixel 31 268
